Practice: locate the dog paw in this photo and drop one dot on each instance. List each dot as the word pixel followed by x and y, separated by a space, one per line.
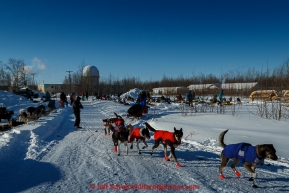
pixel 254 186
pixel 144 147
pixel 251 179
pixel 139 152
pixel 237 173
pixel 131 147
pixel 222 176
pixel 118 154
pixel 151 153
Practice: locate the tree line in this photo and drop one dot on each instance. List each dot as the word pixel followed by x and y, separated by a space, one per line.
pixel 15 74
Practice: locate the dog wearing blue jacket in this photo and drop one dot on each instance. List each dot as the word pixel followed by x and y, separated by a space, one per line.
pixel 251 156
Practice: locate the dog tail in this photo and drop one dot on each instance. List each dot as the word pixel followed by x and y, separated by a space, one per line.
pixel 150 127
pixel 117 116
pixel 221 138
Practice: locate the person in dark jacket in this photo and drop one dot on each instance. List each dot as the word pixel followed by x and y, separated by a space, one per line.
pixel 86 95
pixel 76 106
pixel 72 98
pixel 63 99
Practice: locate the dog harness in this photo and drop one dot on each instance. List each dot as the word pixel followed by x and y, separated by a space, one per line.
pixel 244 152
pixel 165 135
pixel 136 134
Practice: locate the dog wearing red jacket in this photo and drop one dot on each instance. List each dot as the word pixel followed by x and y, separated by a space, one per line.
pixel 119 136
pixel 117 121
pixel 138 134
pixel 172 139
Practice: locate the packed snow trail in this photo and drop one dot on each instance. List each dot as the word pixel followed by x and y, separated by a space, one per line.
pixel 56 157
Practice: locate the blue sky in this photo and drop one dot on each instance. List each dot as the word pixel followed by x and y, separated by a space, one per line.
pixel 144 38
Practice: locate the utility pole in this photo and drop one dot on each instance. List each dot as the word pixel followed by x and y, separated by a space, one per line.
pixel 69 79
pixel 33 77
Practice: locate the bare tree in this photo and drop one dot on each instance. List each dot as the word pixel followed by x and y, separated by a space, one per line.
pixel 18 71
pixel 2 75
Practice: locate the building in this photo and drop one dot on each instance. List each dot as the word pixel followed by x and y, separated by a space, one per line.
pixel 205 89
pixel 51 88
pixel 225 86
pixel 92 73
pixel 170 90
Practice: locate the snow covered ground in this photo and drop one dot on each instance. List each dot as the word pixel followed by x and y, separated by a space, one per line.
pixel 50 155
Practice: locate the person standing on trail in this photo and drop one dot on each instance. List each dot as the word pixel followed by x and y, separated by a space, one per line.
pixel 72 98
pixel 86 95
pixel 76 111
pixel 82 96
pixel 62 99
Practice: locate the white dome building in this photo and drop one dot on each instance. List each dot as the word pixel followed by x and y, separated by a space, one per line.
pixel 92 73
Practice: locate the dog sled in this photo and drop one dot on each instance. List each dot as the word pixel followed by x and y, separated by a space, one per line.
pixel 136 111
pixel 5 114
pixel 51 104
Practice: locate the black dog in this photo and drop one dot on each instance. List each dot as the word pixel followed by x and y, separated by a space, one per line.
pixel 5 114
pixel 119 136
pixel 172 139
pixel 37 111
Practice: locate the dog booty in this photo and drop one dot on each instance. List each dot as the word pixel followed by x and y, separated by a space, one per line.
pixel 178 165
pixel 115 149
pixel 167 158
pixel 222 176
pixel 237 173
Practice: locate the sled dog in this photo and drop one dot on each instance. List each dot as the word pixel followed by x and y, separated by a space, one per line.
pixel 250 155
pixel 172 139
pixel 117 121
pixel 138 134
pixel 118 137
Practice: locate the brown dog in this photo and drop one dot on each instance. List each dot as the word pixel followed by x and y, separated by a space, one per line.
pixel 250 155
pixel 171 139
pixel 138 134
pixel 117 121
